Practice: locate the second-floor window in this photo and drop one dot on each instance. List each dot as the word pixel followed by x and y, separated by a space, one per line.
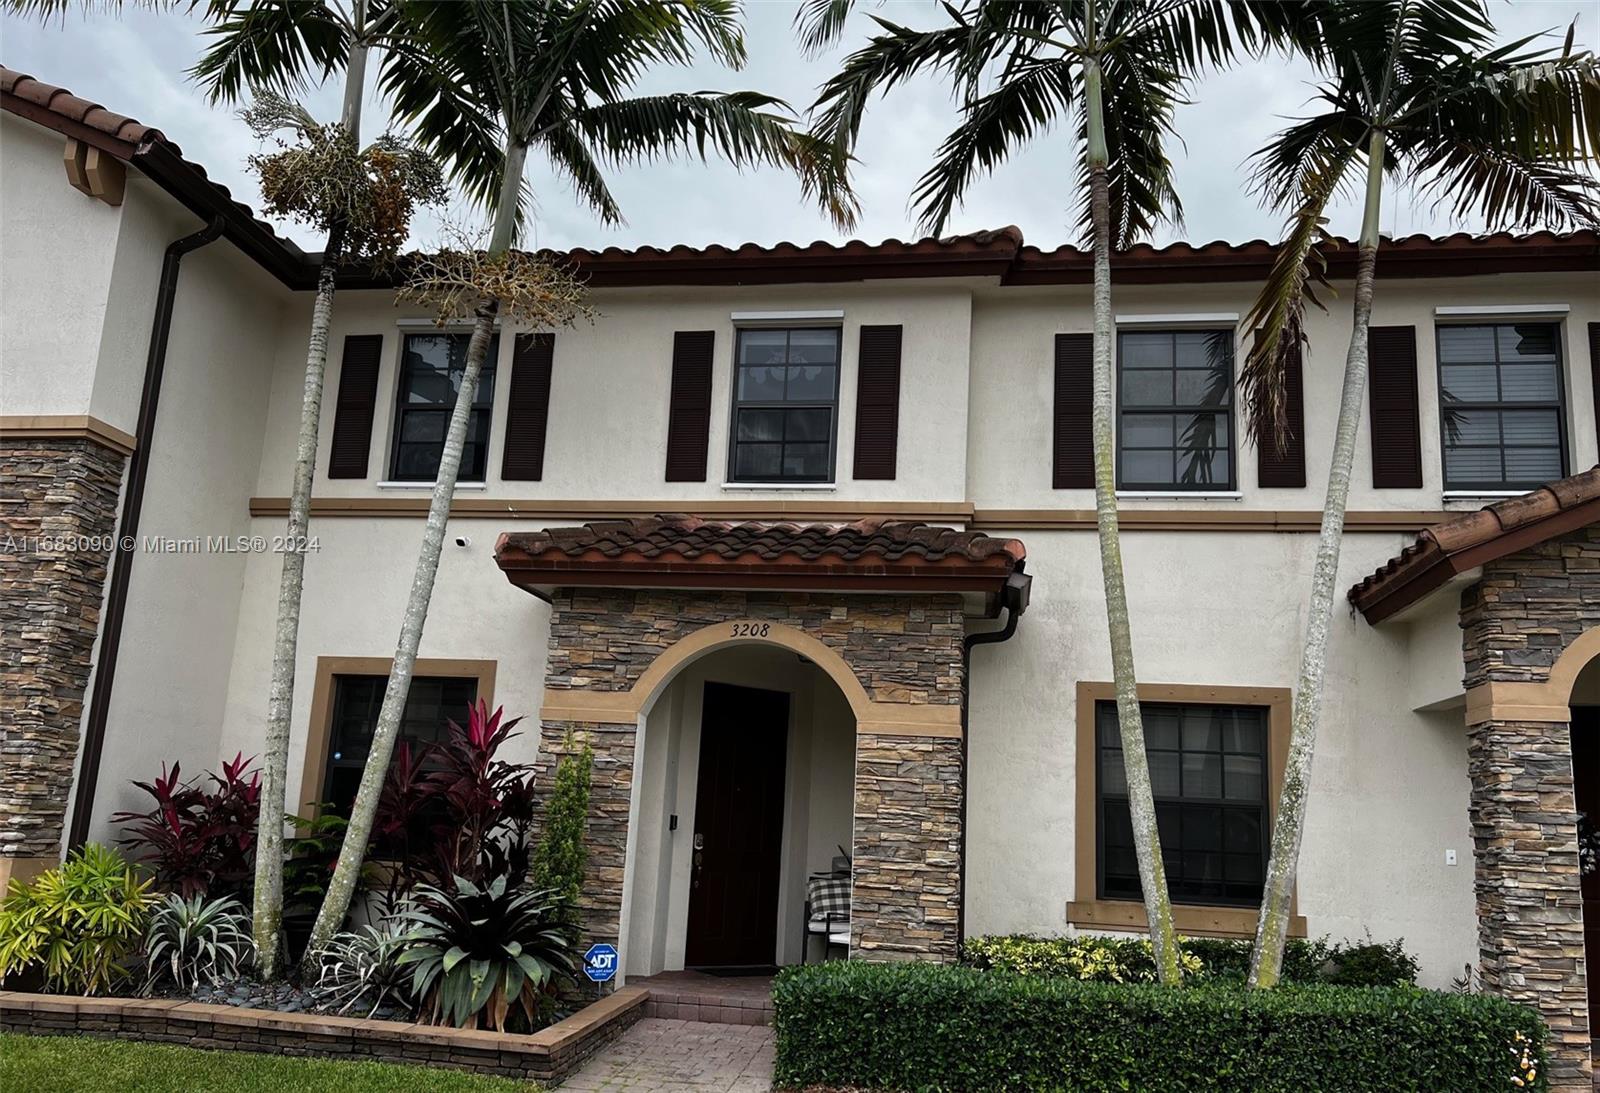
pixel 1175 410
pixel 1500 406
pixel 431 368
pixel 785 405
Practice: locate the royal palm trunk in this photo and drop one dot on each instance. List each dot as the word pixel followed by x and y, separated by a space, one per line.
pixel 341 888
pixel 1141 803
pixel 1266 961
pixel 267 911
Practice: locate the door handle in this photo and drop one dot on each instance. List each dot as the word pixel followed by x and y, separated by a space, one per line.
pixel 699 841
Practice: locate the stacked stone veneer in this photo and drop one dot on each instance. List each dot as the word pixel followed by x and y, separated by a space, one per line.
pixel 902 649
pixel 1517 621
pixel 56 528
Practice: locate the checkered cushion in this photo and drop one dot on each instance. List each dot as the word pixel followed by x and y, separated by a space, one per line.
pixel 829 897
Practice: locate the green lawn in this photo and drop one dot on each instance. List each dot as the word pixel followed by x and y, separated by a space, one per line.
pixel 70 1064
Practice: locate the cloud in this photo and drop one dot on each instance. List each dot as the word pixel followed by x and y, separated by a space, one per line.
pixel 136 65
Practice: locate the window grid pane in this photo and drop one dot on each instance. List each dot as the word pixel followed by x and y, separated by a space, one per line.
pixel 1500 405
pixel 356 703
pixel 1175 422
pixel 1207 768
pixel 431 370
pixel 785 405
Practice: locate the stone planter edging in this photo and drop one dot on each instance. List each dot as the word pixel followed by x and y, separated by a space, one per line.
pixel 548 1055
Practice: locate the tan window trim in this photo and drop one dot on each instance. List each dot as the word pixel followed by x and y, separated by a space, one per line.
pixel 320 729
pixel 1194 920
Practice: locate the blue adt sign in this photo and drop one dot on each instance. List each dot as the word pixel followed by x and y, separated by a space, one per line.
pixel 600 963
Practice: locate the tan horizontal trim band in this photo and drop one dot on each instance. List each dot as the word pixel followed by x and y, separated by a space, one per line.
pixel 879 718
pixel 509 508
pixel 1194 921
pixel 1508 701
pixel 941 512
pixel 1309 520
pixel 70 427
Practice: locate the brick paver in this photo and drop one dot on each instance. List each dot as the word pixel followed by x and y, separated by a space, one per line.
pixel 665 1055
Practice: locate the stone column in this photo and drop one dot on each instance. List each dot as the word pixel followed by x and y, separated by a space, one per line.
pixel 606 836
pixel 906 890
pixel 59 519
pixel 1525 871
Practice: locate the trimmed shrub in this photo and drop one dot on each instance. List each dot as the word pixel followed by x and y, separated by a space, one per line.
pixel 1128 960
pixel 936 1027
pixel 559 859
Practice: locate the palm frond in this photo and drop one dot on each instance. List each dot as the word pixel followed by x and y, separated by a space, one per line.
pixel 1139 102
pixel 278 45
pixel 572 157
pixel 1509 190
pixel 1280 168
pixel 819 23
pixel 992 126
pixel 1276 319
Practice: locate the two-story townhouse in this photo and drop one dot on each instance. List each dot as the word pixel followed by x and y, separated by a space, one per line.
pixel 801 539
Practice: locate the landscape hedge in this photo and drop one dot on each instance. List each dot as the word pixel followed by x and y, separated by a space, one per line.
pixel 915 1026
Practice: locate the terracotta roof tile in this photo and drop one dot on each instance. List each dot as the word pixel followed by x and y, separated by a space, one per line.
pixel 1473 538
pixel 681 550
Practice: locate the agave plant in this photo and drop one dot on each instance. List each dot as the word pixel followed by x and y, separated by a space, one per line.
pixel 478 953
pixel 362 969
pixel 193 940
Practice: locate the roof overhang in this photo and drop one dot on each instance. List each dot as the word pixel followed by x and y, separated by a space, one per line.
pixel 1449 550
pixel 687 553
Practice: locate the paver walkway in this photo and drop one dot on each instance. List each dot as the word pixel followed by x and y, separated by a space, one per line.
pixel 666 1055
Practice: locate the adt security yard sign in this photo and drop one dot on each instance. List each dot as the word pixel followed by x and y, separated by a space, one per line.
pixel 600 963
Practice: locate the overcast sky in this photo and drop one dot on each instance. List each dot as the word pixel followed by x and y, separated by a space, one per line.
pixel 135 64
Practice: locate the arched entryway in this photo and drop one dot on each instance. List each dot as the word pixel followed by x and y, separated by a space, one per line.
pixel 745 789
pixel 1585 735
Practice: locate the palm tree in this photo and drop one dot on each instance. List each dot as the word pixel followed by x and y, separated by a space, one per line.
pixel 1113 70
pixel 485 82
pixel 280 47
pixel 1413 90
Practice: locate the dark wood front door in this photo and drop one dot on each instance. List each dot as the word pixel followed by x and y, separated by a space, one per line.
pixel 1586 780
pixel 738 828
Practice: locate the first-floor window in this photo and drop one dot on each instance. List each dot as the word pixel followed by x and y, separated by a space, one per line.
pixel 431 370
pixel 356 701
pixel 1208 774
pixel 1500 406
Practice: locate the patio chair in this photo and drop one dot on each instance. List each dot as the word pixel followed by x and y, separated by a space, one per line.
pixel 827 913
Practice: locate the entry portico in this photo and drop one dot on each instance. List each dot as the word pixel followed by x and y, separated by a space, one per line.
pixel 877 609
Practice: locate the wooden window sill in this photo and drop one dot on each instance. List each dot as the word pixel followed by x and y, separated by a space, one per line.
pixel 1191 920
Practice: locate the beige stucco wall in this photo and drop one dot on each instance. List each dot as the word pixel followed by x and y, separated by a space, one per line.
pixel 1012 382
pixel 609 388
pixel 170 696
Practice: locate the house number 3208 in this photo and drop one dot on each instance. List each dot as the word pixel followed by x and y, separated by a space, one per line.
pixel 750 629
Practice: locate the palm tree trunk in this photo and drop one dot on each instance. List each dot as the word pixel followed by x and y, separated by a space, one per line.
pixel 1266 960
pixel 266 923
pixel 353 852
pixel 1141 804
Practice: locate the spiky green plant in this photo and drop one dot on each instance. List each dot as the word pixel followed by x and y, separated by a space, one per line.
pixel 360 970
pixel 80 922
pixel 195 940
pixel 1416 91
pixel 480 953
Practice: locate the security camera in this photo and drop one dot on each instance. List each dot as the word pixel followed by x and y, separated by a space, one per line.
pixel 463 541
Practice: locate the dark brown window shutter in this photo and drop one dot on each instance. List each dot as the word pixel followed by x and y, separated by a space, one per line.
pixel 878 402
pixel 1285 467
pixel 1072 455
pixel 352 415
pixel 528 407
pixel 689 411
pixel 1594 374
pixel 1396 432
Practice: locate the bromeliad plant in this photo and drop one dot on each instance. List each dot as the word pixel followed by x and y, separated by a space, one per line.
pixel 198 840
pixel 482 954
pixel 192 940
pixel 79 924
pixel 361 970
